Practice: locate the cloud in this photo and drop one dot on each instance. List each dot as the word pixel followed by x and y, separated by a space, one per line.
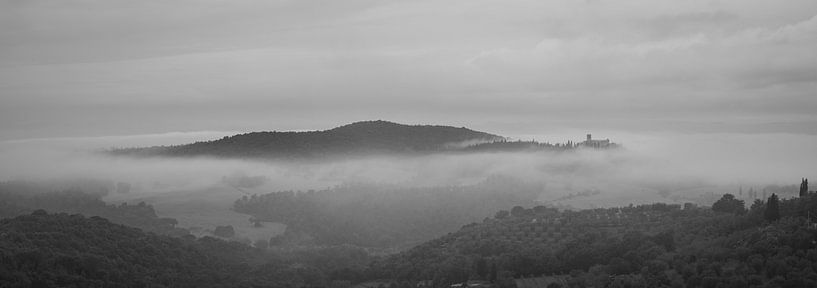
pixel 121 67
pixel 677 75
pixel 661 26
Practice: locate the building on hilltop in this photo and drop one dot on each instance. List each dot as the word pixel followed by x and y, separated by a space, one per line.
pixel 597 144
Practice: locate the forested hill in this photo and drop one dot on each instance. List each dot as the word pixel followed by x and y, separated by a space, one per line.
pixel 61 250
pixel 360 138
pixel 772 244
pixel 19 198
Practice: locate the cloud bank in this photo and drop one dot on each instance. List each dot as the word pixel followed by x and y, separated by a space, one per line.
pixel 71 68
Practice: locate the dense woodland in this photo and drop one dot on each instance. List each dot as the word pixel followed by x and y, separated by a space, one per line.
pixel 19 198
pixel 517 146
pixel 771 244
pixel 383 216
pixel 61 250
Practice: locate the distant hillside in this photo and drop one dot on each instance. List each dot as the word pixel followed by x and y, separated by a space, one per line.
pixel 19 198
pixel 360 138
pixel 371 215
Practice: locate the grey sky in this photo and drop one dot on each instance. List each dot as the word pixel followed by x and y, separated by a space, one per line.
pixel 114 67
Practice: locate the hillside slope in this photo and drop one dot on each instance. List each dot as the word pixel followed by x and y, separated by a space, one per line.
pixel 656 245
pixel 383 216
pixel 360 138
pixel 61 250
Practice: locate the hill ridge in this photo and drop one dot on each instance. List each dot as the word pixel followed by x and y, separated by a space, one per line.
pixel 358 138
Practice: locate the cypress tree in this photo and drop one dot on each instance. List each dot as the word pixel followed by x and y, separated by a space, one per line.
pixel 772 212
pixel 804 187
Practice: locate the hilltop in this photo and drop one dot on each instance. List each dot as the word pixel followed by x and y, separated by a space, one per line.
pixel 360 138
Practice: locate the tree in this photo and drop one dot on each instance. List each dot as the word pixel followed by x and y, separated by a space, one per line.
pixel 772 209
pixel 729 204
pixel 757 210
pixel 804 187
pixel 757 205
pixel 502 214
pixel 517 211
pixel 540 209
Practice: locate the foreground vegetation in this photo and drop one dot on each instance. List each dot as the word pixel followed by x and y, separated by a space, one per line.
pixel 644 246
pixel 61 250
pixel 770 244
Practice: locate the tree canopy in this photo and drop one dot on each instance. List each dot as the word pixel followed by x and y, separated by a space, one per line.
pixel 729 204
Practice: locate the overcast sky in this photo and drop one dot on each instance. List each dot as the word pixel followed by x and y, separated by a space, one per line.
pixel 117 67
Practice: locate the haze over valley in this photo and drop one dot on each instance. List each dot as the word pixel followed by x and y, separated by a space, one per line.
pixel 199 190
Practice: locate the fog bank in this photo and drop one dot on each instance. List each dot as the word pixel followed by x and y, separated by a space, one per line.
pixel 649 163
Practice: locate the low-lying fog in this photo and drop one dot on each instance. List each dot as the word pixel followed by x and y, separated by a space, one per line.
pixel 650 168
pixel 647 159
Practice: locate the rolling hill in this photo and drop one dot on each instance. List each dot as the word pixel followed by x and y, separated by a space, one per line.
pixel 360 138
pixel 656 245
pixel 61 250
pixel 20 198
